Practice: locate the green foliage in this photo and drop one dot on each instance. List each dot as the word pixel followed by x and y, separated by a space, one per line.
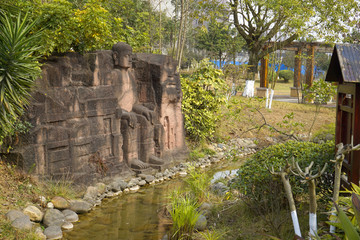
pixel 348 211
pixel 256 182
pixel 320 92
pixel 72 25
pixel 203 95
pixel 19 67
pixel 198 183
pixel 183 211
pixel 59 31
pixel 93 27
pixel 286 75
pixel 271 75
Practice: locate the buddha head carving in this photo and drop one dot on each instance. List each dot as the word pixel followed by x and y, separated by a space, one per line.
pixel 122 55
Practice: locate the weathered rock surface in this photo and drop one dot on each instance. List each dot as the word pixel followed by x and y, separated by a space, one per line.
pixel 14 214
pixel 53 232
pixel 67 226
pixel 118 185
pixel 105 111
pixel 34 213
pixel 40 234
pixel 22 223
pixel 60 202
pixel 201 223
pixel 53 217
pixel 80 206
pixel 70 216
pixel 101 187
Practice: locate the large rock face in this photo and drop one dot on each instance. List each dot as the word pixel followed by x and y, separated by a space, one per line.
pixel 104 112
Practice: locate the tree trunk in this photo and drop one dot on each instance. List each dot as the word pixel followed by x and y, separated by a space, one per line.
pixel 312 208
pixel 252 65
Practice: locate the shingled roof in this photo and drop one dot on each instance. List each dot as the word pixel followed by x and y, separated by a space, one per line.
pixel 344 64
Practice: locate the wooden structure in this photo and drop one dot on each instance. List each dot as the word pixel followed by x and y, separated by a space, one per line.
pixel 299 48
pixel 344 69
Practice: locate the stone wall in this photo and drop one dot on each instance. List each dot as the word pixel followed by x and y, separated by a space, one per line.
pixel 104 113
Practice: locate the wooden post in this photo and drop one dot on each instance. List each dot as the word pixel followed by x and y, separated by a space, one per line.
pixel 355 156
pixel 294 91
pixel 264 72
pixel 297 68
pixel 310 63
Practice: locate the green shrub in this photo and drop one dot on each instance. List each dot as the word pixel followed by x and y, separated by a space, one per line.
pixel 271 75
pixel 184 214
pixel 286 75
pixel 198 183
pixel 259 186
pixel 203 95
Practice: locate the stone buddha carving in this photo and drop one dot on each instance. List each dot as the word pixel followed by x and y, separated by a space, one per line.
pixel 137 121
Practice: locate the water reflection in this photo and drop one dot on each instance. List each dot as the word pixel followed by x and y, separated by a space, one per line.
pixel 136 216
pixel 132 217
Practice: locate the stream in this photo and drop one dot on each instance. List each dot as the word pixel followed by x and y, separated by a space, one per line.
pixel 137 216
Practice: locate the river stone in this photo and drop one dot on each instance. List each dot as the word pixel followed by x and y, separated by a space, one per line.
pixel 67 226
pixel 50 205
pixel 101 187
pixel 118 185
pixel 182 173
pixel 91 192
pixel 159 175
pixel 205 207
pixel 134 188
pixel 80 206
pixel 34 213
pixel 14 214
pixel 149 178
pixel 133 182
pixel 201 223
pixel 142 176
pixel 70 216
pixel 60 202
pixel 53 217
pixel 40 234
pixel 142 183
pixel 22 223
pixel 53 232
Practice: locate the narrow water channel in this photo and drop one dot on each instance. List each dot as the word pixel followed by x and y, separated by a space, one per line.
pixel 134 216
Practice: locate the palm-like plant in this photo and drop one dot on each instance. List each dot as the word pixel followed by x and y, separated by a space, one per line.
pixel 19 67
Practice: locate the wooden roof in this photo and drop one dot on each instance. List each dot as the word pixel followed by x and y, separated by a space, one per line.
pixel 344 64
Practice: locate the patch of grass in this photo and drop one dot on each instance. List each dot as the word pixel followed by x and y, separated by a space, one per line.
pixel 236 221
pixel 62 187
pixel 184 214
pixel 7 232
pixel 198 183
pixel 243 119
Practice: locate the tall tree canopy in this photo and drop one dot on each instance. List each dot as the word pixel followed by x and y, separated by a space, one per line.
pixel 283 21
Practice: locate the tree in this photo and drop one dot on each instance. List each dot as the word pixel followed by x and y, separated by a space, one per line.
pixel 219 40
pixel 214 39
pixel 18 67
pixel 283 21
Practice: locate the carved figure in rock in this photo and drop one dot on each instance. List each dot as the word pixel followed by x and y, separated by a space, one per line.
pixel 137 121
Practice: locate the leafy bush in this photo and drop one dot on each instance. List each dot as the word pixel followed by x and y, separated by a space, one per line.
pixel 203 95
pixel 320 92
pixel 255 181
pixel 286 75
